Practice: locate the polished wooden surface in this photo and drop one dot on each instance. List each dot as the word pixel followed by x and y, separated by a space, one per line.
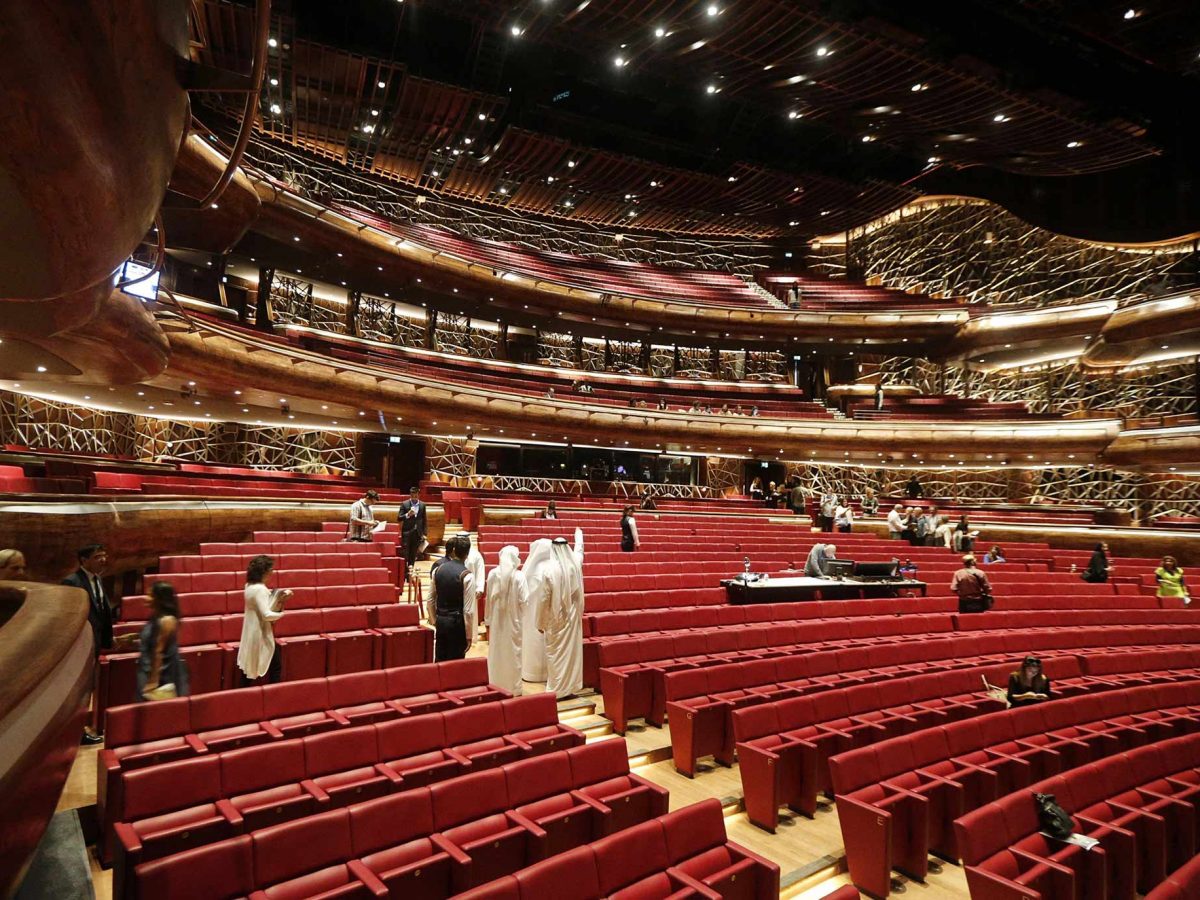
pixel 214 352
pixel 46 666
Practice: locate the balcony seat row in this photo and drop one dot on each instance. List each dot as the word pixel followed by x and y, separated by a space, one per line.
pixel 701 701
pixel 425 842
pixel 1141 805
pixel 897 799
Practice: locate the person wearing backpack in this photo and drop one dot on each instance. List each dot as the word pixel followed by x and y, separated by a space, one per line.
pixel 972 586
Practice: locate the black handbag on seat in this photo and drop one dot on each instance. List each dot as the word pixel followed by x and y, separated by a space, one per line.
pixel 1055 820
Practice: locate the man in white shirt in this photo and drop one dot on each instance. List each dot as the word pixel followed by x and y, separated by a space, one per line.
pixel 474 565
pixel 932 521
pixel 895 522
pixel 362 519
pixel 829 502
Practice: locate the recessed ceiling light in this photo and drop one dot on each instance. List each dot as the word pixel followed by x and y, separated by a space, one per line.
pixel 272 42
pixel 1072 145
pixel 1132 13
pixel 276 108
pixel 41 368
pixel 713 10
pixel 792 114
pixel 712 89
pixel 1000 117
pixel 515 30
pixel 274 82
pixel 823 51
pixel 382 84
pixel 919 86
pixel 619 62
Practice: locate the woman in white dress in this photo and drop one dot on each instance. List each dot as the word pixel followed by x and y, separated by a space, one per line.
pixel 257 654
pixel 556 590
pixel 505 620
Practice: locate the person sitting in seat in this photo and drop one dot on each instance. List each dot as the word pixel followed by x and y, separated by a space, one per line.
pixel 551 511
pixel 1028 685
pixel 994 556
pixel 972 586
pixel 818 558
pixel 648 503
pixel 1098 568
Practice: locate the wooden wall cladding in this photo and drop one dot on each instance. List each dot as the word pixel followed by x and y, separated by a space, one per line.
pixel 138 532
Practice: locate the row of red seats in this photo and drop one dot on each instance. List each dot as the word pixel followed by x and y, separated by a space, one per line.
pixel 1140 805
pixel 682 855
pixel 148 734
pixel 1182 884
pixel 312 643
pixel 321 556
pixel 630 670
pixel 189 802
pixel 784 747
pixel 701 701
pixel 13 480
pixel 426 843
pixel 897 799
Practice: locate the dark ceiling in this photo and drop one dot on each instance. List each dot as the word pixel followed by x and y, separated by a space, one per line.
pixel 757 118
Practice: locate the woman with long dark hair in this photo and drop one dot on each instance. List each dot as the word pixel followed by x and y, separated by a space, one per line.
pixel 257 654
pixel 1028 684
pixel 161 674
pixel 1098 569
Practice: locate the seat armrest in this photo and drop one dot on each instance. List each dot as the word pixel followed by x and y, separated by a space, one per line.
pixel 197 745
pixel 525 822
pixel 451 850
pixel 389 773
pixel 367 877
pixel 682 880
pixel 738 850
pixel 313 788
pixel 229 811
pixel 338 717
pixel 590 801
pixel 457 757
pixel 128 837
pixel 517 742
pixel 270 729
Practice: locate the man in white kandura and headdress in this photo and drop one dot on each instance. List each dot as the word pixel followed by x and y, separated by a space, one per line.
pixel 474 565
pixel 554 579
pixel 506 602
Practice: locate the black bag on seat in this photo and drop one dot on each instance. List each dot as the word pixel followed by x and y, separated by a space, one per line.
pixel 1054 820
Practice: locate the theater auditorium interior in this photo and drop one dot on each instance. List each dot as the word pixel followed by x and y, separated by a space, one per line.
pixel 724 449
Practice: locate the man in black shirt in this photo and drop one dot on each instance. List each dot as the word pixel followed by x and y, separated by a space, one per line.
pixel 102 613
pixel 412 526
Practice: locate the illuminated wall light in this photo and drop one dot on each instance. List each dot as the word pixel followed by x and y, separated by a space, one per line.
pixel 276 108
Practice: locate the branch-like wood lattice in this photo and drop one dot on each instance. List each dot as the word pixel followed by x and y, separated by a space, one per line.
pixel 978 250
pixel 378 320
pixel 47 425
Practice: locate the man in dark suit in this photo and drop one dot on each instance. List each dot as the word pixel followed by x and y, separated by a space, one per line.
pixel 93 560
pixel 412 526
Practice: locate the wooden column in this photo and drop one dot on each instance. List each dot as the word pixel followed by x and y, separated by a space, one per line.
pixel 262 306
pixel 353 302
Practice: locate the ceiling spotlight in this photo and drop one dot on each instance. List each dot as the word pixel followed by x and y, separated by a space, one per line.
pixel 274 82
pixel 1000 117
pixel 1072 145
pixel 712 89
pixel 368 129
pixel 382 85
pixel 503 189
pixel 41 368
pixel 660 32
pixel 435 173
pixel 919 86
pixel 515 30
pixel 1132 14
pixel 276 108
pixel 713 10
pixel 867 138
pixel 482 117
pixel 619 62
pixel 654 184
pixel 934 160
pixel 295 237
pixel 271 42
pixel 823 51
pixel 570 163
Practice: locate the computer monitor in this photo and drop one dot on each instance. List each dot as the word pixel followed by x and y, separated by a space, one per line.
pixel 876 569
pixel 839 568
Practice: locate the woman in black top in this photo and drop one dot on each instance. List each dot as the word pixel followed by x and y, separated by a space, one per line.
pixel 159 663
pixel 629 535
pixel 1098 569
pixel 1028 685
pixel 965 542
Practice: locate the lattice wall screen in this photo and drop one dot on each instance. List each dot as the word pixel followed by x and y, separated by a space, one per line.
pixel 47 425
pixel 378 320
pixel 556 349
pixel 451 458
pixel 978 250
pixel 1165 390
pixel 723 475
